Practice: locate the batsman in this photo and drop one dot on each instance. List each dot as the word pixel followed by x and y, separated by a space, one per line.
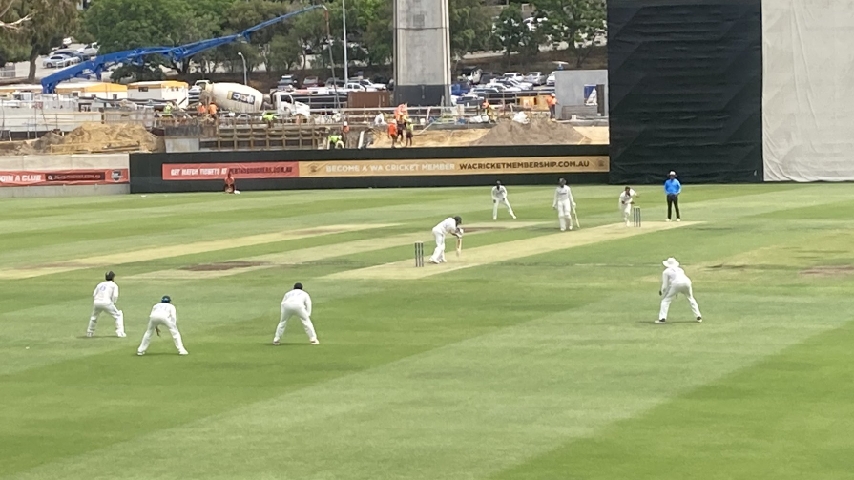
pixel 565 205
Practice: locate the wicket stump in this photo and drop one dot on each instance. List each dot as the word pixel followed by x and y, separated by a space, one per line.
pixel 636 214
pixel 419 254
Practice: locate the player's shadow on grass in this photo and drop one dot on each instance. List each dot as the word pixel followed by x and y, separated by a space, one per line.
pixel 104 337
pixel 669 322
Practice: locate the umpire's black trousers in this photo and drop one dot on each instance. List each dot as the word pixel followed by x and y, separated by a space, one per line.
pixel 672 201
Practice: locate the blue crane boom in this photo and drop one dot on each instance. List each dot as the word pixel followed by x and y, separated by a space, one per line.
pixel 99 64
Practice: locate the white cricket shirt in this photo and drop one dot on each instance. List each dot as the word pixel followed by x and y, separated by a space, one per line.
pixel 671 276
pixel 165 311
pixel 298 297
pixel 106 292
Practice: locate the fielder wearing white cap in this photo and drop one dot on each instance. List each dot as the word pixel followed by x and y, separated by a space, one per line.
pixel 673 282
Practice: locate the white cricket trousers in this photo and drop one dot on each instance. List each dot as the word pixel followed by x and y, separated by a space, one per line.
pixel 627 211
pixel 110 309
pixel 564 214
pixel 439 252
pixel 684 288
pixel 495 204
pixel 153 323
pixel 295 310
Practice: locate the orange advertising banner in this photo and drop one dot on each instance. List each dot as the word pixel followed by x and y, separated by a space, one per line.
pixel 218 171
pixel 449 166
pixel 111 176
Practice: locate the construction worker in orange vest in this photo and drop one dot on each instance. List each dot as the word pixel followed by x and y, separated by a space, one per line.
pixel 551 100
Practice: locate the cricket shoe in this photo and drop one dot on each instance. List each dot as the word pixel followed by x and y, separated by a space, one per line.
pixel 669 220
pixel 276 342
pixel 121 335
pixel 140 354
pixel 514 217
pixel 678 219
pixel 660 320
pixel 314 342
pixel 90 334
pixel 435 261
pixel 183 352
pixel 699 319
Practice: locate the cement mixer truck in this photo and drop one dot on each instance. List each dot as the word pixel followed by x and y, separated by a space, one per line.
pixel 238 98
pixel 233 97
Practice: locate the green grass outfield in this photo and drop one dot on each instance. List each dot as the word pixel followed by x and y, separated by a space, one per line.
pixel 524 365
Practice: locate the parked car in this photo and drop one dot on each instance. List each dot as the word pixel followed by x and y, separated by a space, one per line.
pixel 67 41
pixel 471 75
pixel 88 51
pixel 287 81
pixel 550 80
pixel 488 77
pixel 369 85
pixel 504 87
pixel 485 91
pixel 515 76
pixel 60 61
pixel 536 78
pixel 310 81
pixel 357 87
pixel 468 100
pixel 512 82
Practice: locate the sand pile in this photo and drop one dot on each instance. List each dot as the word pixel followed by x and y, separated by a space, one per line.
pixel 88 138
pixel 539 132
pixel 434 138
pixel 98 136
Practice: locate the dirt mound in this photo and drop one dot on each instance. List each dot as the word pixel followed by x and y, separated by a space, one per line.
pixel 434 138
pixel 539 132
pixel 97 136
pixel 88 138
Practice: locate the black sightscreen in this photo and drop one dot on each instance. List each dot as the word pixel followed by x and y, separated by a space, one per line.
pixel 686 85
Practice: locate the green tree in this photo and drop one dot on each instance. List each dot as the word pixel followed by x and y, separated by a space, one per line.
pixel 572 21
pixel 469 26
pixel 513 35
pixel 285 52
pixel 49 22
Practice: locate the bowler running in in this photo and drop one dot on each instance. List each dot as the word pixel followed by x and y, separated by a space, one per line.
pixel 499 196
pixel 445 227
pixel 627 201
pixel 163 313
pixel 673 282
pixel 296 302
pixel 105 296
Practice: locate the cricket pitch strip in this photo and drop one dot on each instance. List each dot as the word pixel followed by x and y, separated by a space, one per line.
pixel 502 252
pixel 157 253
pixel 311 254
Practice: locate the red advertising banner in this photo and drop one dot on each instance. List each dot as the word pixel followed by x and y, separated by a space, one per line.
pixel 218 171
pixel 111 176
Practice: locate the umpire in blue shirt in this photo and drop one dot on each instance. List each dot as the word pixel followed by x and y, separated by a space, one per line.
pixel 672 188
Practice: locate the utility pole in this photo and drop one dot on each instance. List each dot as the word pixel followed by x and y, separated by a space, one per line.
pixel 344 13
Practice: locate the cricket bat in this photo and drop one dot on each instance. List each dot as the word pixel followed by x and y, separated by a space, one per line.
pixel 459 246
pixel 575 217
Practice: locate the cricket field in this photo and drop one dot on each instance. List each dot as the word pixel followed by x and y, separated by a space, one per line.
pixel 533 355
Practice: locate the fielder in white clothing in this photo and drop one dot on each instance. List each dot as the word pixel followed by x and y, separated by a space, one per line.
pixel 627 200
pixel 564 204
pixel 105 296
pixel 163 313
pixel 296 303
pixel 673 282
pixel 445 227
pixel 499 196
